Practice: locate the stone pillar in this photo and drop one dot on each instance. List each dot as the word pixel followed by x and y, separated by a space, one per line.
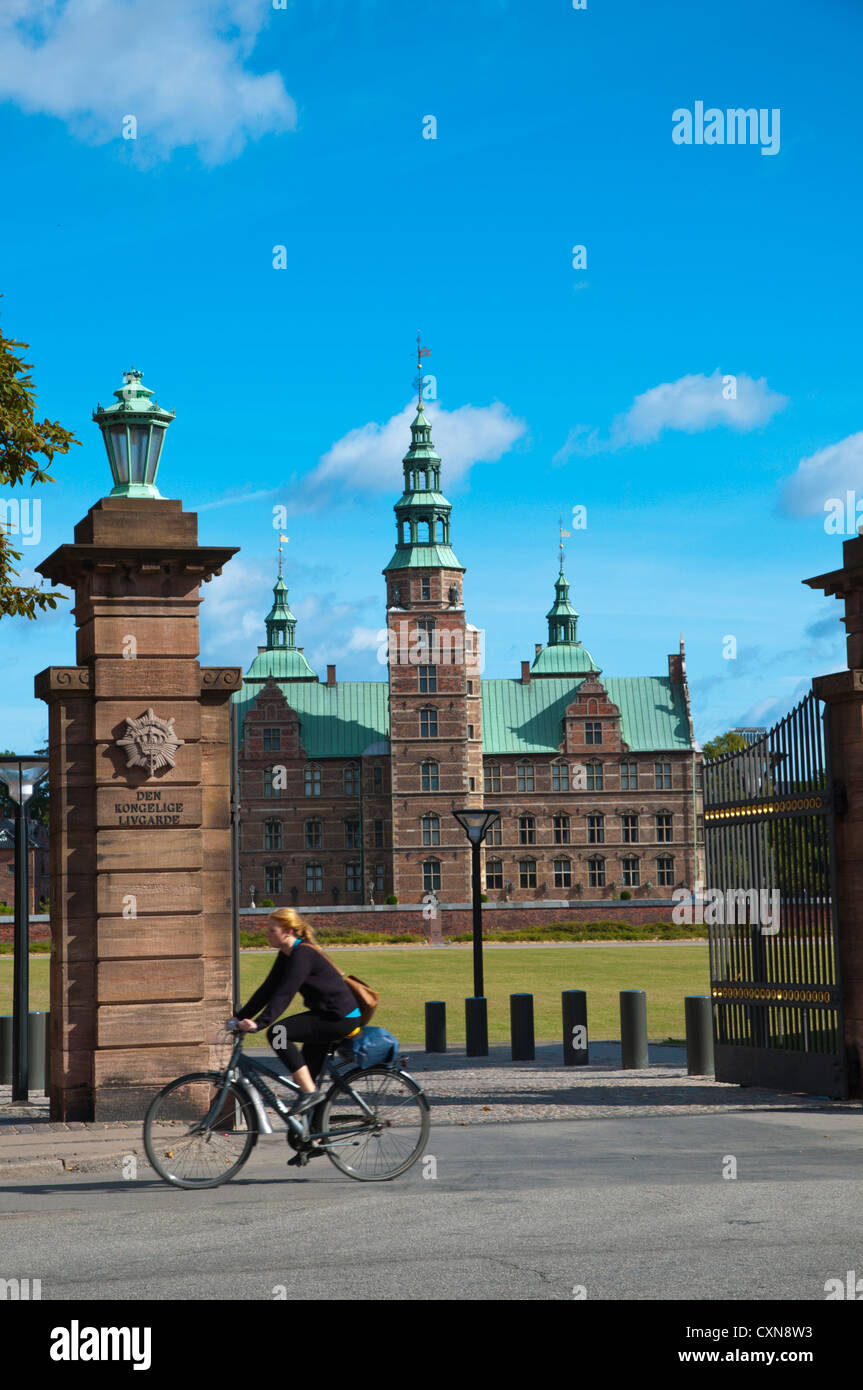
pixel 139 740
pixel 843 693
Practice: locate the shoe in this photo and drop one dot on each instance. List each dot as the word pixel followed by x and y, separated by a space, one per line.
pixel 307 1101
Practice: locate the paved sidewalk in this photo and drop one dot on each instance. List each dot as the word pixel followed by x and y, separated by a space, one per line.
pixel 463 1091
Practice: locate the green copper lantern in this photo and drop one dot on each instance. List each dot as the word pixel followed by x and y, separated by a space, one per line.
pixel 133 431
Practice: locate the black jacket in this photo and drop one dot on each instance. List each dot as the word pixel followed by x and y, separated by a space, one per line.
pixel 320 985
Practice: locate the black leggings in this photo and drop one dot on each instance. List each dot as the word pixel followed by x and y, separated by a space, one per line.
pixel 316 1033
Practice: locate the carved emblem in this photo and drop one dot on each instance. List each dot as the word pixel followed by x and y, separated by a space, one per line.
pixel 150 742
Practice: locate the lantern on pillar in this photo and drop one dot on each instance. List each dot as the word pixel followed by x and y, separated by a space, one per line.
pixel 133 431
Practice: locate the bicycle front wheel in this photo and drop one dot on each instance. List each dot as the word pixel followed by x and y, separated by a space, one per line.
pixel 185 1146
pixel 380 1138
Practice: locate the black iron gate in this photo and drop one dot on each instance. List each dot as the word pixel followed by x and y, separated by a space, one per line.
pixel 770 907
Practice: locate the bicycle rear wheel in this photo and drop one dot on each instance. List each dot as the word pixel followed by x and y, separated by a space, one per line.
pixel 378 1146
pixel 181 1150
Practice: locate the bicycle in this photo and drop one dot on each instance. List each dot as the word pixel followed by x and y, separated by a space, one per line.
pixel 375 1119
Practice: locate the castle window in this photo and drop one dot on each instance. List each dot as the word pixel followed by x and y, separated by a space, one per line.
pixel 665 871
pixel 431 830
pixel 527 873
pixel 273 779
pixel 493 834
pixel 272 740
pixel 662 773
pixel 428 680
pixel 314 832
pixel 314 878
pixel 596 830
pixel 274 878
pixel 430 777
pixel 491 777
pixel 425 588
pixel 353 878
pixel 273 835
pixel 494 873
pixel 525 777
pixel 628 777
pixel 431 875
pixel 428 723
pixel 630 829
pixel 559 777
pixel 380 878
pixel 630 873
pixel 377 779
pixel 312 781
pixel 596 873
pixel 561 830
pixel 352 834
pixel 470 730
pixel 594 781
pixel 664 828
pixel 526 830
pixel 424 531
pixel 562 873
pixel 379 834
pixel 352 780
pixel 593 732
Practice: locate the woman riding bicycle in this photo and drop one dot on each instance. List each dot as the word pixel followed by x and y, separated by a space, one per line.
pixel 333 1013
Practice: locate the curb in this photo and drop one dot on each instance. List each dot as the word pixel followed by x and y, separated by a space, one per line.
pixel 28 1167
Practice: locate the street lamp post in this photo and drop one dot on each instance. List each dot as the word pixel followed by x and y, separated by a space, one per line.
pixel 476 824
pixel 21 776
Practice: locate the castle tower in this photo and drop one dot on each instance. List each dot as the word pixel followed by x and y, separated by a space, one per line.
pixel 434 687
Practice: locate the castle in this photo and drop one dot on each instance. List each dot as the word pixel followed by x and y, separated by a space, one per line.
pixel 347 787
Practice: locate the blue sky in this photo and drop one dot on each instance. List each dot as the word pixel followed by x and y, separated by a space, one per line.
pixel 556 387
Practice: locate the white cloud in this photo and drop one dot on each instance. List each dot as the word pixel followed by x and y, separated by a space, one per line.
pixel 368 459
pixel 177 66
pixel 232 614
pixel 691 405
pixel 825 474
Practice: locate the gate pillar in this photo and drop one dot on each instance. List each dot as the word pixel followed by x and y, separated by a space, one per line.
pixel 842 692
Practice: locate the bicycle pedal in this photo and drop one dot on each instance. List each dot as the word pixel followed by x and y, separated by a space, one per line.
pixel 299 1160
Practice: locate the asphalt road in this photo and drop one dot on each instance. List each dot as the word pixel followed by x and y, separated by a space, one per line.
pixel 628 1209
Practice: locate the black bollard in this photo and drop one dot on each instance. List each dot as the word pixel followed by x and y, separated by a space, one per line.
pixel 574 1003
pixel 6 1050
pixel 521 1027
pixel 633 1029
pixel 435 1025
pixel 37 1071
pixel 476 1026
pixel 699 1034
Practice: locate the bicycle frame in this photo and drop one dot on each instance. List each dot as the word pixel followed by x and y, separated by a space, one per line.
pixel 247 1073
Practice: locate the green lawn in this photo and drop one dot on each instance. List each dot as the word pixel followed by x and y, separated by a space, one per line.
pixel 406 978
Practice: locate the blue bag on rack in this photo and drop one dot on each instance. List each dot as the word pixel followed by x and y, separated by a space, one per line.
pixel 372 1047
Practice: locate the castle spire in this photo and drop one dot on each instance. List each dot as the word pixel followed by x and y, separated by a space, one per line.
pixel 280 621
pixel 422 511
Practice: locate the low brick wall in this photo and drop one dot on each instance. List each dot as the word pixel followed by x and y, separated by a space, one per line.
pixel 457 918
pixel 40 928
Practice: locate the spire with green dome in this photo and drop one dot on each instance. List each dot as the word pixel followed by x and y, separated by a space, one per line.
pixel 422 511
pixel 564 655
pixel 280 658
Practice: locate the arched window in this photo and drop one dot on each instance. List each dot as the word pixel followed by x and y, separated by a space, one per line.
pixel 312 781
pixel 494 873
pixel 596 873
pixel 525 777
pixel 526 830
pixel 314 878
pixel 431 875
pixel 430 776
pixel 423 531
pixel 562 873
pixel 431 829
pixel 406 533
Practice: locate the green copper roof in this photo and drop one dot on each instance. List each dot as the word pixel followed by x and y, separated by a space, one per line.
pixel 283 663
pixel 519 718
pixel 336 721
pixel 281 608
pixel 424 557
pixel 563 659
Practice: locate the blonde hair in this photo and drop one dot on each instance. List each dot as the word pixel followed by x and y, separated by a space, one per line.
pixel 290 920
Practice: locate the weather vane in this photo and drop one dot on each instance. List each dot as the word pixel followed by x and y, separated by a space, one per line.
pixel 284 539
pixel 562 534
pixel 421 353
